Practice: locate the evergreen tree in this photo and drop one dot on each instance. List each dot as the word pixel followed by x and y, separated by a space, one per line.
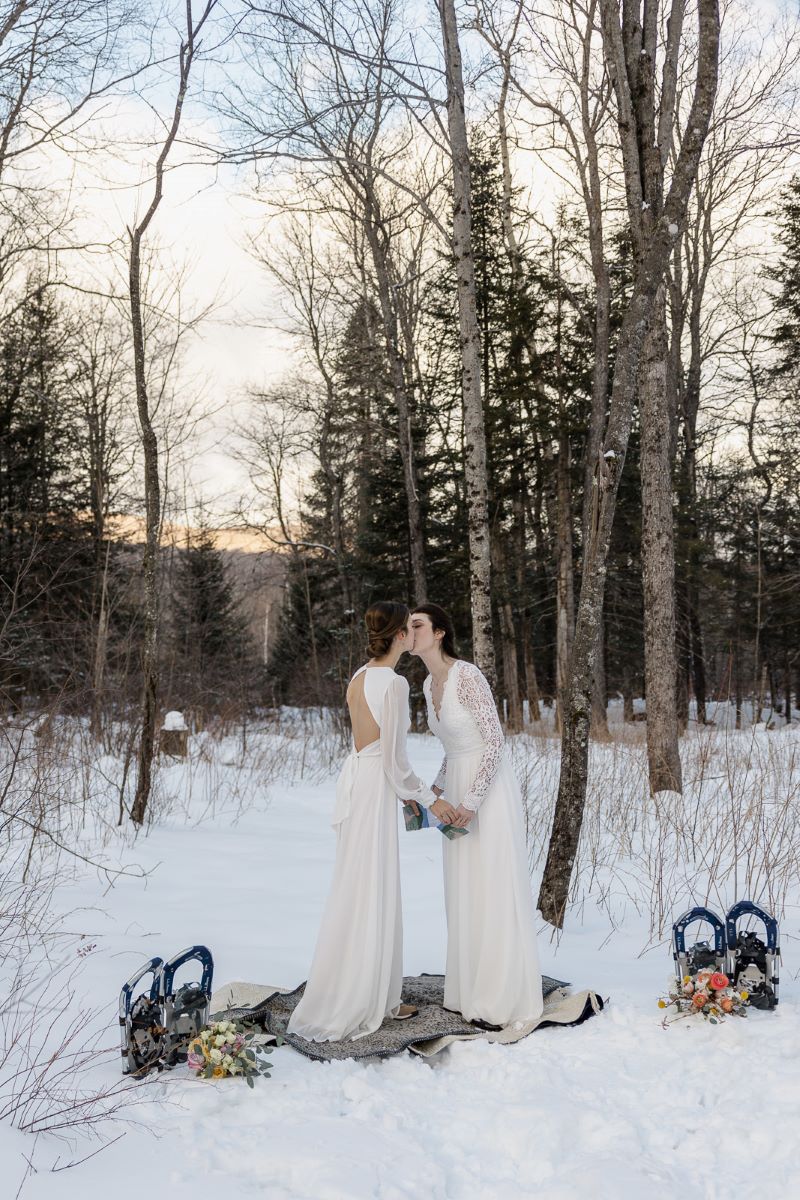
pixel 210 644
pixel 46 559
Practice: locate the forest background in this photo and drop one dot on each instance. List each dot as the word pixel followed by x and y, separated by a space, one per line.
pixel 405 387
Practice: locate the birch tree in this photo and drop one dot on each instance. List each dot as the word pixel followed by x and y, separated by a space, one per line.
pixel 630 47
pixel 474 426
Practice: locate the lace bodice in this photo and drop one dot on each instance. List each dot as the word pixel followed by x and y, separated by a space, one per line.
pixel 467 722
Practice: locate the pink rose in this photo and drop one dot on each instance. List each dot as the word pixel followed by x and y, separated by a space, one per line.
pixel 196 1062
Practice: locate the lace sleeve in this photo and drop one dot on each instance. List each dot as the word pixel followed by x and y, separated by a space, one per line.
pixel 439 781
pixel 394 727
pixel 475 694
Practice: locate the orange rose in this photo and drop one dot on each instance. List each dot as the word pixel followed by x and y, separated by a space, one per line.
pixel 700 999
pixel 719 981
pixel 726 1004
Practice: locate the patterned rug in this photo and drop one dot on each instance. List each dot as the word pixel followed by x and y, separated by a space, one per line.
pixel 435 1028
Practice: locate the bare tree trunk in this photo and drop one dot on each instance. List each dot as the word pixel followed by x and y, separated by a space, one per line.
pixel 683 649
pixel 401 391
pixel 565 593
pixel 658 560
pixel 627 693
pixel 152 489
pixel 474 429
pixel 510 668
pixel 508 638
pixel 100 651
pixel 152 502
pixel 624 54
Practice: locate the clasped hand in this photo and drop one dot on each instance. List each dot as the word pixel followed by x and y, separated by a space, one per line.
pixel 444 812
pixel 459 816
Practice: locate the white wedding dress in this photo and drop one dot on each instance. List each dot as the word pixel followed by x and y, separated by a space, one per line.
pixel 357 972
pixel 492 958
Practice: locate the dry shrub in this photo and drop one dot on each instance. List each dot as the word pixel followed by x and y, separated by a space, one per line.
pixel 734 833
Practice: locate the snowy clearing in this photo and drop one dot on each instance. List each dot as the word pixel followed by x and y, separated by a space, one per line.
pixel 618 1106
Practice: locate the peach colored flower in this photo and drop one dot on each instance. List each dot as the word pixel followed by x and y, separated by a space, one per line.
pixel 726 1004
pixel 719 981
pixel 700 999
pixel 688 988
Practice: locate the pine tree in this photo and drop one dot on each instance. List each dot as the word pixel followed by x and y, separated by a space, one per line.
pixel 46 559
pixel 210 642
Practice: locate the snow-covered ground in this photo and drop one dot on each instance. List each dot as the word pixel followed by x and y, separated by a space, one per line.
pixel 616 1108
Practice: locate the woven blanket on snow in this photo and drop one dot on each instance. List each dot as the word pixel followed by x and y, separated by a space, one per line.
pixel 427 1034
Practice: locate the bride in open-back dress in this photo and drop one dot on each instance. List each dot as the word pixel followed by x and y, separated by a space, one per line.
pixel 357 972
pixel 492 957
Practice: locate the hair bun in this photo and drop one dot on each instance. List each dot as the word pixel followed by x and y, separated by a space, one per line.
pixel 384 620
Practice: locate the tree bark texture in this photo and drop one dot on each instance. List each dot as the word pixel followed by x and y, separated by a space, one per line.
pixel 477 490
pixel 658 559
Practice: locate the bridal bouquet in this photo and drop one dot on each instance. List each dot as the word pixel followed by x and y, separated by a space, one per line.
pixel 708 994
pixel 223 1049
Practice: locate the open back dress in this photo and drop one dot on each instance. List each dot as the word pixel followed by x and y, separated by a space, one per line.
pixel 357 971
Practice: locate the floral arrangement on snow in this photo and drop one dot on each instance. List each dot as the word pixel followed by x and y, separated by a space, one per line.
pixel 222 1049
pixel 707 994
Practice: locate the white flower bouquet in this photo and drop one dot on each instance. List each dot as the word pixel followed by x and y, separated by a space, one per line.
pixel 222 1049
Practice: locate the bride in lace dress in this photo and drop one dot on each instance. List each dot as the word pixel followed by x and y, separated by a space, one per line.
pixel 492 958
pixel 357 972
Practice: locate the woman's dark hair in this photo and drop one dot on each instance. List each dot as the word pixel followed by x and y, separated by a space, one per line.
pixel 441 621
pixel 383 620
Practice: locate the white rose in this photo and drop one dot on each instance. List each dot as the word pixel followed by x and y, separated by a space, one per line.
pixel 216 1056
pixel 219 1040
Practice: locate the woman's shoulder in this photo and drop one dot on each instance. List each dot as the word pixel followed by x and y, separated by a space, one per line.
pixel 468 670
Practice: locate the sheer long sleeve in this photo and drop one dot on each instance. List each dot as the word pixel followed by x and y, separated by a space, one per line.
pixel 439 781
pixel 476 695
pixel 394 727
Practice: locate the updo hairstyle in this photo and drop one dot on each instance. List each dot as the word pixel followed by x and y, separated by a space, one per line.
pixel 383 620
pixel 441 622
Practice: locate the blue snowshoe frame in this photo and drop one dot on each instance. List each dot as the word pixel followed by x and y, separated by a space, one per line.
pixel 130 1063
pixel 180 1027
pixel 748 908
pixel 679 951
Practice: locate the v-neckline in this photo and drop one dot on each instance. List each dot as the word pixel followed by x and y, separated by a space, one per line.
pixel 437 712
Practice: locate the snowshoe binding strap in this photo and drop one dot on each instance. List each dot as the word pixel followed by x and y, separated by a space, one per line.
pixel 185 1010
pixel 753 963
pixel 701 955
pixel 140 1021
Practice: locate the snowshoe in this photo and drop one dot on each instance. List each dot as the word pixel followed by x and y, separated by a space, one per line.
pixel 140 1020
pixel 753 963
pixel 700 956
pixel 185 1010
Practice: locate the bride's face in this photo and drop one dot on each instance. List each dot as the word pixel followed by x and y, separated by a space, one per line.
pixel 422 634
pixel 405 639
